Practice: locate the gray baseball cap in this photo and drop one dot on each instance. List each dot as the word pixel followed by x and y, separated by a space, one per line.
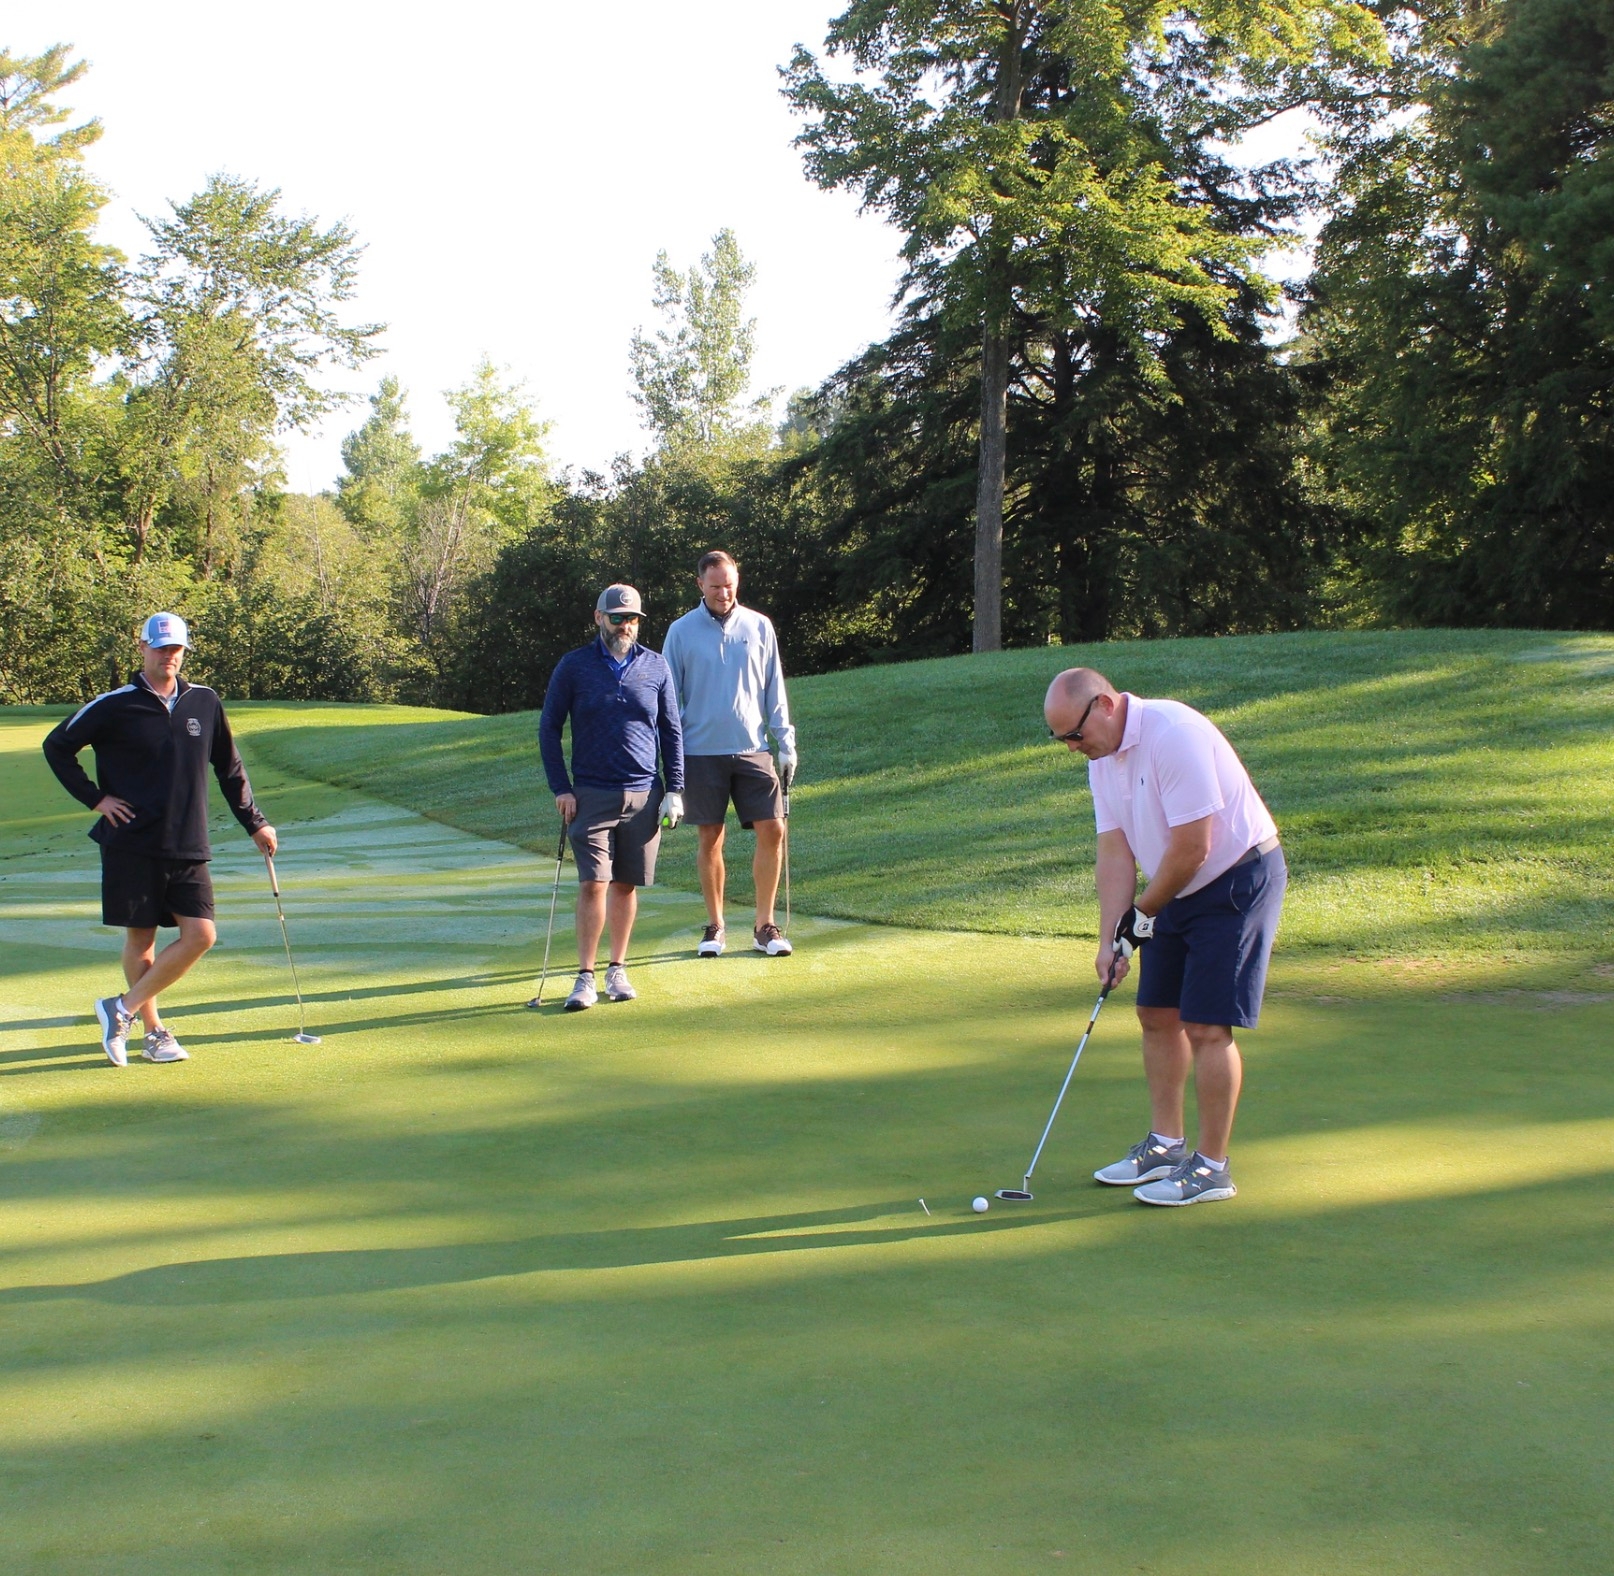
pixel 618 599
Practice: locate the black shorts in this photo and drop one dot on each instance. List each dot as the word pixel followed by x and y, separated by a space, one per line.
pixel 710 781
pixel 141 892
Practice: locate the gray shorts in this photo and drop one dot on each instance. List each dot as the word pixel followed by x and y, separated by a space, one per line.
pixel 615 836
pixel 710 781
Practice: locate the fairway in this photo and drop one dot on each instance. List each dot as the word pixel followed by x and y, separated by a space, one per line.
pixel 468 1288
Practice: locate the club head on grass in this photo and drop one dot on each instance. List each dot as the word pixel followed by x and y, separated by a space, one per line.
pixel 1014 1195
pixel 305 1039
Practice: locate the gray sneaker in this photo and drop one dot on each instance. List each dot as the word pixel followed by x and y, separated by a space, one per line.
pixel 711 942
pixel 1195 1181
pixel 616 983
pixel 583 992
pixel 115 1027
pixel 161 1046
pixel 1143 1162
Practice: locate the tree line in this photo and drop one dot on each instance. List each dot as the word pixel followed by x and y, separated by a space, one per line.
pixel 1095 416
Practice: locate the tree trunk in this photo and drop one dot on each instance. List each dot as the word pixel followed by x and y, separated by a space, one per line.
pixel 988 627
pixel 995 325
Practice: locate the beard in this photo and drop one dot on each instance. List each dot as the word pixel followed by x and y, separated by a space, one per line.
pixel 618 642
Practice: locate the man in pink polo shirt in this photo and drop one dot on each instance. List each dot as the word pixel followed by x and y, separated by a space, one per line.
pixel 1170 796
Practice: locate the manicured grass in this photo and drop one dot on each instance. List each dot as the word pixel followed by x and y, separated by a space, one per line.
pixel 1446 796
pixel 649 1289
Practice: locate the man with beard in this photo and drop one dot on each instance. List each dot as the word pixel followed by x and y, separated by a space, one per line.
pixel 619 698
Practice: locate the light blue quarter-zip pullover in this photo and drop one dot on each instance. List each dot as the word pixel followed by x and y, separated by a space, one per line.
pixel 731 689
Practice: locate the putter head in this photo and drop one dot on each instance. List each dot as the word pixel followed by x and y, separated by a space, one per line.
pixel 1014 1195
pixel 536 1003
pixel 305 1039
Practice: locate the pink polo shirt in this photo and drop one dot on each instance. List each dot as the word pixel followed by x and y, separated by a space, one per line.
pixel 1173 767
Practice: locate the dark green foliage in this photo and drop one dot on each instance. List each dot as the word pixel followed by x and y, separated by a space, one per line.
pixel 1460 317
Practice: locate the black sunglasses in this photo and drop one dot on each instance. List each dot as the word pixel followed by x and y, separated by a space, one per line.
pixel 1075 734
pixel 618 619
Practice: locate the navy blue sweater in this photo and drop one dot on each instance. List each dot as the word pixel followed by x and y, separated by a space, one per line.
pixel 157 760
pixel 617 722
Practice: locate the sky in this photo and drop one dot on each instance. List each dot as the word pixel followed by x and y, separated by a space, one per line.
pixel 512 171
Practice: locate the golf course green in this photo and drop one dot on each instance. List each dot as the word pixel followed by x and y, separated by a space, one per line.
pixel 470 1288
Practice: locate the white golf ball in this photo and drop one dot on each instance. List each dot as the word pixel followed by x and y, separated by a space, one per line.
pixel 980 1206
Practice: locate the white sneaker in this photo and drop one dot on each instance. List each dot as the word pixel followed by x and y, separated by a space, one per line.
pixel 616 983
pixel 711 945
pixel 771 940
pixel 161 1046
pixel 115 1026
pixel 583 992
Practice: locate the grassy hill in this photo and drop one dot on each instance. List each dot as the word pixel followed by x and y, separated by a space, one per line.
pixel 1442 794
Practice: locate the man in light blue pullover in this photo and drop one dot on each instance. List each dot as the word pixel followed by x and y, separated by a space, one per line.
pixel 731 694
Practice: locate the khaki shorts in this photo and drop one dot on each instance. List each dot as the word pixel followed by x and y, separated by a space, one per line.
pixel 615 836
pixel 710 781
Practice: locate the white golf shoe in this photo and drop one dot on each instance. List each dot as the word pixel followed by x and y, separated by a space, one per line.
pixel 711 943
pixel 771 940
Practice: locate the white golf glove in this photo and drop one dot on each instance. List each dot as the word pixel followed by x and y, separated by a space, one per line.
pixel 787 767
pixel 672 810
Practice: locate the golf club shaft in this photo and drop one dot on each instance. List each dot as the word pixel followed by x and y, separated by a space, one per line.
pixel 554 894
pixel 1097 1008
pixel 285 940
pixel 787 864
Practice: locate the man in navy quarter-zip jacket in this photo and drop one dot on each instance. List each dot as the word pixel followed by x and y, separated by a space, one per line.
pixel 154 740
pixel 620 700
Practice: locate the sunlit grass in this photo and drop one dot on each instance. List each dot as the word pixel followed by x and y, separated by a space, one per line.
pixel 1444 793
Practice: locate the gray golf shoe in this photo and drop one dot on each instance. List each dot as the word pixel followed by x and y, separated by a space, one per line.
pixel 161 1046
pixel 583 992
pixel 1195 1181
pixel 711 943
pixel 1143 1162
pixel 115 1026
pixel 617 987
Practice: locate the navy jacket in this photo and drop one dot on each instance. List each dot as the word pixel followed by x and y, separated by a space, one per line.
pixel 616 722
pixel 157 760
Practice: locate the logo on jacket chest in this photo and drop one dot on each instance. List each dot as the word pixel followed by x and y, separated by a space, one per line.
pixel 193 726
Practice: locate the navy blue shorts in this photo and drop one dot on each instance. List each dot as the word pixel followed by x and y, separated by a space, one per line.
pixel 1208 958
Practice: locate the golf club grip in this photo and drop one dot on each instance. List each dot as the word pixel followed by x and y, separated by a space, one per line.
pixel 274 880
pixel 560 847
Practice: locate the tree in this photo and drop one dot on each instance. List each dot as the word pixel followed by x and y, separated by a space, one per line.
pixel 236 309
pixel 383 475
pixel 1459 316
pixel 692 376
pixel 1031 151
pixel 61 309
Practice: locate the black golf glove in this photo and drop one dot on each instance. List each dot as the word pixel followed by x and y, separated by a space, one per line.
pixel 1131 931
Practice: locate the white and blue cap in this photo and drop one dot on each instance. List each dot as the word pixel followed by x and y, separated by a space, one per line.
pixel 165 629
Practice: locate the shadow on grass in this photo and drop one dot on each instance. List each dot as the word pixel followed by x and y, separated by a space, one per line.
pixel 283 1276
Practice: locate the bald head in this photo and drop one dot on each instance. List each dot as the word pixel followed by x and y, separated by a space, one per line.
pixel 1076 686
pixel 1085 712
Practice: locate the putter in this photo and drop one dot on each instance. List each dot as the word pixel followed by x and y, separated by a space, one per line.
pixel 549 935
pixel 302 1036
pixel 1022 1194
